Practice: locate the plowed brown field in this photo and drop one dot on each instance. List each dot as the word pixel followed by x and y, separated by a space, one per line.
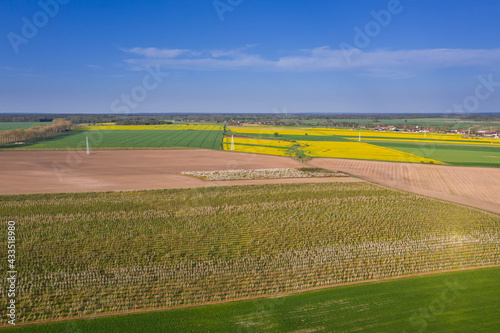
pixel 117 170
pixel 65 171
pixel 477 187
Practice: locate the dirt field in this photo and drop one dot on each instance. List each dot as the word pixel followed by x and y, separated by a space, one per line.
pixel 477 187
pixel 115 170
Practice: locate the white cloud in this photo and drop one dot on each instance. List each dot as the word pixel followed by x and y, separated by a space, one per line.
pixel 386 63
pixel 152 52
pixel 231 53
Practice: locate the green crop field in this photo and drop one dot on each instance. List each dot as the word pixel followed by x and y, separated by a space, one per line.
pixel 465 301
pixel 24 125
pixel 76 139
pixel 95 253
pixel 464 155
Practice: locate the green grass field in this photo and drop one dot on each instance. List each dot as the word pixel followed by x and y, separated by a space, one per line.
pixel 465 301
pixel 88 253
pixel 76 139
pixel 460 154
pixel 24 125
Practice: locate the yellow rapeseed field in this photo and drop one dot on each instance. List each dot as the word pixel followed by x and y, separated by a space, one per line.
pixel 359 150
pixel 258 150
pixel 259 142
pixel 279 148
pixel 401 136
pixel 366 135
pixel 356 150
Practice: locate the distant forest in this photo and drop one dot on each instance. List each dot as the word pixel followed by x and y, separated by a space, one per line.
pixel 152 119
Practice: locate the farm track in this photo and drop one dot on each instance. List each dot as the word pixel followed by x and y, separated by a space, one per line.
pixel 471 186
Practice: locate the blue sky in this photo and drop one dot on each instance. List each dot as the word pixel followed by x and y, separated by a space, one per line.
pixel 258 56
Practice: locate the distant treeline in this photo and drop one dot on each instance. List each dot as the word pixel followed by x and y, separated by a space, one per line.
pixel 59 125
pixel 141 121
pixel 153 119
pixel 93 119
pixel 6 118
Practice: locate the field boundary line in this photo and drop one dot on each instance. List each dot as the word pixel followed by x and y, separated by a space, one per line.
pixel 444 164
pixel 431 198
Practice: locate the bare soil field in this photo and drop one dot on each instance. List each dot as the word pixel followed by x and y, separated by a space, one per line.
pixel 477 187
pixel 120 170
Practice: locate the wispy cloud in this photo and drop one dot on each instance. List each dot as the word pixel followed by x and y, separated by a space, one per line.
pixel 152 52
pixel 386 63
